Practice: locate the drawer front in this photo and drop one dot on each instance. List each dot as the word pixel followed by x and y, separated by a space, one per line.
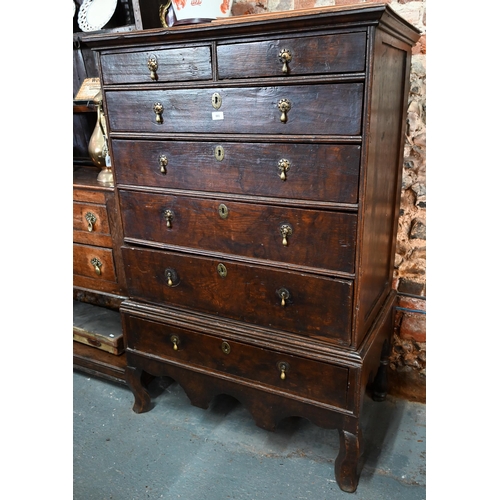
pixel 318 239
pixel 303 377
pixel 317 172
pixel 91 225
pixel 88 260
pixel 314 109
pixel 166 65
pixel 340 53
pixel 309 305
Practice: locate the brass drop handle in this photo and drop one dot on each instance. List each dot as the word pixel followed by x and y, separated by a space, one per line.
pixel 163 162
pixel 175 341
pixel 91 220
pixel 283 367
pixel 97 265
pixel 284 106
pixel 284 167
pixel 158 109
pixel 172 277
pixel 153 67
pixel 284 295
pixel 285 57
pixel 286 231
pixel 168 215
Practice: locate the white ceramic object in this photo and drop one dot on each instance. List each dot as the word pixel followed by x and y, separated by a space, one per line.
pixel 201 9
pixel 95 14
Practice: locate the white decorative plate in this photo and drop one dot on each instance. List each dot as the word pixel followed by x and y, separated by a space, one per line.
pixel 94 14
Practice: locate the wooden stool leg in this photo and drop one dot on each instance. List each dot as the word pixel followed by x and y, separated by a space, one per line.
pixel 135 380
pixel 347 468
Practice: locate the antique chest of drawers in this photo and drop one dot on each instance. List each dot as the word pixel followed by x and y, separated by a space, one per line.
pixel 257 163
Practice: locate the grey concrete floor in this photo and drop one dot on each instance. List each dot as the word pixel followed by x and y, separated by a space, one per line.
pixel 178 451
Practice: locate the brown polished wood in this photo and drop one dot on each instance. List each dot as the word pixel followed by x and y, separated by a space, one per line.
pixel 258 175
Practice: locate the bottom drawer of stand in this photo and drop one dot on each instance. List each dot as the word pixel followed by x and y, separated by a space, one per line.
pixel 306 378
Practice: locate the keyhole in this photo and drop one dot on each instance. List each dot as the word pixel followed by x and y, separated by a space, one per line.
pixel 223 211
pixel 216 100
pixel 219 153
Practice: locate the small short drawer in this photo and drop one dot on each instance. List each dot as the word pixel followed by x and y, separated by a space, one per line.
pixel 323 109
pixel 157 65
pixel 93 262
pixel 318 239
pixel 292 374
pixel 91 225
pixel 327 54
pixel 305 304
pixel 299 171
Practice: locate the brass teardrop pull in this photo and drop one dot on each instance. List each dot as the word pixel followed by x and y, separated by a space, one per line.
pixel 158 109
pixel 284 167
pixel 284 295
pixel 226 348
pixel 283 367
pixel 163 162
pixel 168 215
pixel 175 341
pixel 286 231
pixel 172 277
pixel 91 220
pixel 97 265
pixel 285 57
pixel 284 106
pixel 153 67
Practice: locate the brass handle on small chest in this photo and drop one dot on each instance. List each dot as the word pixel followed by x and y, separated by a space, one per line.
pixel 158 109
pixel 153 67
pixel 168 216
pixel 226 348
pixel 286 231
pixel 172 277
pixel 163 162
pixel 175 341
pixel 91 220
pixel 285 57
pixel 284 106
pixel 283 167
pixel 97 265
pixel 283 367
pixel 284 295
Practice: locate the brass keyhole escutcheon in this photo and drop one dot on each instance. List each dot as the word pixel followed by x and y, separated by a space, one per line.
pixel 286 231
pixel 97 265
pixel 284 295
pixel 172 277
pixel 168 216
pixel 153 67
pixel 91 220
pixel 285 57
pixel 226 348
pixel 283 367
pixel 223 211
pixel 158 109
pixel 163 162
pixel 284 167
pixel 219 153
pixel 222 270
pixel 216 100
pixel 175 341
pixel 284 106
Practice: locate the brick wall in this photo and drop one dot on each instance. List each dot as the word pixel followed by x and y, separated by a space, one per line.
pixel 407 362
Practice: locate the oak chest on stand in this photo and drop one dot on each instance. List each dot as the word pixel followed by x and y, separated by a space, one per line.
pixel 257 164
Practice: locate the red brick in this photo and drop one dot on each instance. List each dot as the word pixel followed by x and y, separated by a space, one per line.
pixel 413 326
